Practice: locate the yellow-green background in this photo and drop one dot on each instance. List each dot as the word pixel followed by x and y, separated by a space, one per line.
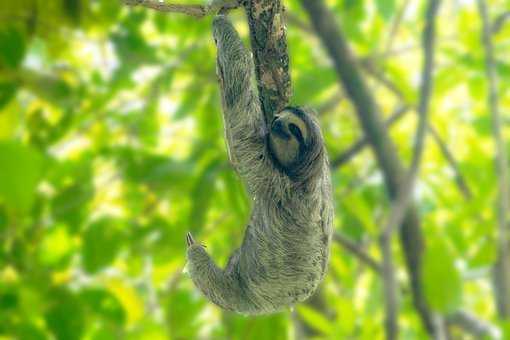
pixel 111 148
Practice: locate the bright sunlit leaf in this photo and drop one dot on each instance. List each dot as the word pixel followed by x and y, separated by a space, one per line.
pixel 442 280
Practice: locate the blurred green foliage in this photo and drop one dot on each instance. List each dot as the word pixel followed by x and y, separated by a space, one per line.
pixel 111 148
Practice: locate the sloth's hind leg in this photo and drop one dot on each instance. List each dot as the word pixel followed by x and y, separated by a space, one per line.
pixel 222 287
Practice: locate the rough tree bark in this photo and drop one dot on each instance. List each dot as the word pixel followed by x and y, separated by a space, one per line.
pixel 269 45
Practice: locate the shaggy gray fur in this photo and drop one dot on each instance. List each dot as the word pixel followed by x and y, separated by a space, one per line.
pixel 285 250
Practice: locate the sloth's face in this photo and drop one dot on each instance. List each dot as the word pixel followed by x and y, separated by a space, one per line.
pixel 288 137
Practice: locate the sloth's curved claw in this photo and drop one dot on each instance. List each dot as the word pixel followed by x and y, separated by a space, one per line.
pixel 189 239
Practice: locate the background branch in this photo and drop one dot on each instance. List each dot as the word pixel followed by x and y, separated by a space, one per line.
pixel 269 45
pixel 362 142
pixel 330 103
pixel 461 183
pixel 404 196
pixel 368 63
pixel 357 251
pixel 411 236
pixel 500 22
pixel 472 325
pixel 502 267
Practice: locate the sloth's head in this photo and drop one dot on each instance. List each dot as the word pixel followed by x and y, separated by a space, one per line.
pixel 295 141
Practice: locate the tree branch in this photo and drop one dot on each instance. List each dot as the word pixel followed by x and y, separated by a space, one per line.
pixel 443 147
pixel 411 235
pixel 269 45
pixel 502 267
pixel 450 158
pixel 404 196
pixel 406 190
pixel 469 323
pixel 500 22
pixel 396 24
pixel 357 251
pixel 362 142
pixel 330 103
pixel 197 11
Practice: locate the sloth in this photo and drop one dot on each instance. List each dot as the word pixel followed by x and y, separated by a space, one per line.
pixel 283 163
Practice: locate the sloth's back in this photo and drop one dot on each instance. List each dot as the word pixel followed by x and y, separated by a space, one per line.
pixel 285 250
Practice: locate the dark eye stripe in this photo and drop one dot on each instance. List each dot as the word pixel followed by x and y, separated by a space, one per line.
pixel 294 129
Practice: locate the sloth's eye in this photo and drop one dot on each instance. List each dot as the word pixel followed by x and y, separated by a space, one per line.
pixel 294 129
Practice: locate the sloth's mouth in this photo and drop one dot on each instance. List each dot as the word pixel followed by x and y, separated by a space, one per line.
pixel 278 128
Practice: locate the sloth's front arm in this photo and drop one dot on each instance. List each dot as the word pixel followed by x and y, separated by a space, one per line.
pixel 244 123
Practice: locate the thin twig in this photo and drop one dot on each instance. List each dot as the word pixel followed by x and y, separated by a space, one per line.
pixel 502 267
pixel 330 104
pixel 296 21
pixel 197 11
pixel 450 158
pixel 362 142
pixel 395 25
pixel 478 328
pixel 358 252
pixel 447 154
pixel 500 22
pixel 400 204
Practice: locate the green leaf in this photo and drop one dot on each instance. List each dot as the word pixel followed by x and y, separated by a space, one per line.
pixel 20 171
pixel 193 97
pixel 352 13
pixel 483 124
pixel 160 172
pixel 442 280
pixel 386 8
pixel 485 254
pixel 315 319
pixel 56 247
pixel 104 304
pixel 131 47
pixel 312 82
pixel 12 47
pixel 182 309
pixel 202 194
pixel 73 9
pixel 7 92
pixel 27 331
pixel 65 317
pixel 256 327
pixel 102 241
pixel 236 193
pixel 104 333
pixel 72 181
